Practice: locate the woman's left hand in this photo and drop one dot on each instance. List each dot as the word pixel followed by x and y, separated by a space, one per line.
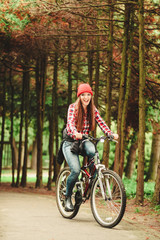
pixel 115 135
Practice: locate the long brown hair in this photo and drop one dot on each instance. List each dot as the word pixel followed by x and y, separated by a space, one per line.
pixel 80 114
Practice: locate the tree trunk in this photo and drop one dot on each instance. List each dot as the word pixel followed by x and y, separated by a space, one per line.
pixel 131 159
pixel 11 134
pixel 127 93
pixel 155 152
pixel 20 132
pixel 96 92
pixel 52 121
pixel 26 95
pixel 122 89
pixel 51 149
pixel 97 75
pixel 40 88
pixel 15 153
pixel 69 72
pixel 109 83
pixel 141 136
pixel 156 196
pixel 77 72
pixel 34 155
pixel 90 66
pixel 3 121
pixel 55 112
pixel 90 54
pixel 56 166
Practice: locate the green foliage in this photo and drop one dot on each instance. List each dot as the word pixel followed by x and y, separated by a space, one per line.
pixel 11 18
pixel 16 23
pixel 149 190
pixel 157 209
pixel 148 148
pixel 152 115
pixel 130 186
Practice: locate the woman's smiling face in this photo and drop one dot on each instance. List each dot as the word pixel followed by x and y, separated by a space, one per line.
pixel 85 99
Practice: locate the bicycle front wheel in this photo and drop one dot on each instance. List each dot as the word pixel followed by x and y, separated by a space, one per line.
pixel 60 194
pixel 108 199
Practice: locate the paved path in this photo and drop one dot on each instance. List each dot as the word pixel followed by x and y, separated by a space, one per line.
pixel 26 216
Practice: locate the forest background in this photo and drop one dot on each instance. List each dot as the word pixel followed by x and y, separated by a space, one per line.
pixel 46 49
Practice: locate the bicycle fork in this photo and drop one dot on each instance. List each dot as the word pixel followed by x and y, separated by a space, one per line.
pixel 104 186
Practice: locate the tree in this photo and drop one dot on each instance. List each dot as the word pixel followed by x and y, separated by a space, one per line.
pixel 40 89
pixel 3 120
pixel 127 92
pixel 21 131
pixel 97 66
pixel 154 121
pixel 56 166
pixel 155 152
pixel 109 80
pixel 53 122
pixel 26 107
pixel 69 72
pixel 119 151
pixel 131 160
pixel 12 125
pixel 141 135
pixel 156 196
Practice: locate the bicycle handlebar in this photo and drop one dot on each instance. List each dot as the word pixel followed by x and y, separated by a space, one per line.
pixel 102 138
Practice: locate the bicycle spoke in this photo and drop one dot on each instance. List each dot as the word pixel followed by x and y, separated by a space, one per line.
pixel 60 194
pixel 108 210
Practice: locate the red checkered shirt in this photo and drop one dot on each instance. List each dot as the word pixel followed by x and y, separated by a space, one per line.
pixel 71 123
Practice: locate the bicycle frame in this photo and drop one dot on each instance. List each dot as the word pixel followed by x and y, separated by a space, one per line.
pixel 99 167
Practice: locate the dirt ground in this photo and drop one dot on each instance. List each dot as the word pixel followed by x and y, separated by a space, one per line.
pixel 142 217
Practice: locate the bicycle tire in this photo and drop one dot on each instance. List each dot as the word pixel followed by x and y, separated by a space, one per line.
pixel 108 212
pixel 60 194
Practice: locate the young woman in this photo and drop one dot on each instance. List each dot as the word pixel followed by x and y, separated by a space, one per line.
pixel 81 119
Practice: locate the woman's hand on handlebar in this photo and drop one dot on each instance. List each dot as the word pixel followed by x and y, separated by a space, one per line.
pixel 83 136
pixel 115 136
pixel 79 135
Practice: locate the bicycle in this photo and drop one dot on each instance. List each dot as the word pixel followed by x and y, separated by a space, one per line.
pixel 106 191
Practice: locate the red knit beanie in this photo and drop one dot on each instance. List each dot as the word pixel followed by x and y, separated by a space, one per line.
pixel 84 87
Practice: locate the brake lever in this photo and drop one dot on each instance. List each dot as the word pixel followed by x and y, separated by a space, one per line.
pixel 111 138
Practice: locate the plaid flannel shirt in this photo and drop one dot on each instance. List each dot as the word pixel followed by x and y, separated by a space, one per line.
pixel 71 123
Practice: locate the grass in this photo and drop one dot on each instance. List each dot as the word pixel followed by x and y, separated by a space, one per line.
pixel 130 184
pixel 137 210
pixel 157 209
pixel 31 176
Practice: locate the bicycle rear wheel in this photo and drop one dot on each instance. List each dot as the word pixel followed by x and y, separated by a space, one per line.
pixel 108 209
pixel 60 194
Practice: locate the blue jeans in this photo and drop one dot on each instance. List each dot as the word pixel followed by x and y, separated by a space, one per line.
pixel 74 163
